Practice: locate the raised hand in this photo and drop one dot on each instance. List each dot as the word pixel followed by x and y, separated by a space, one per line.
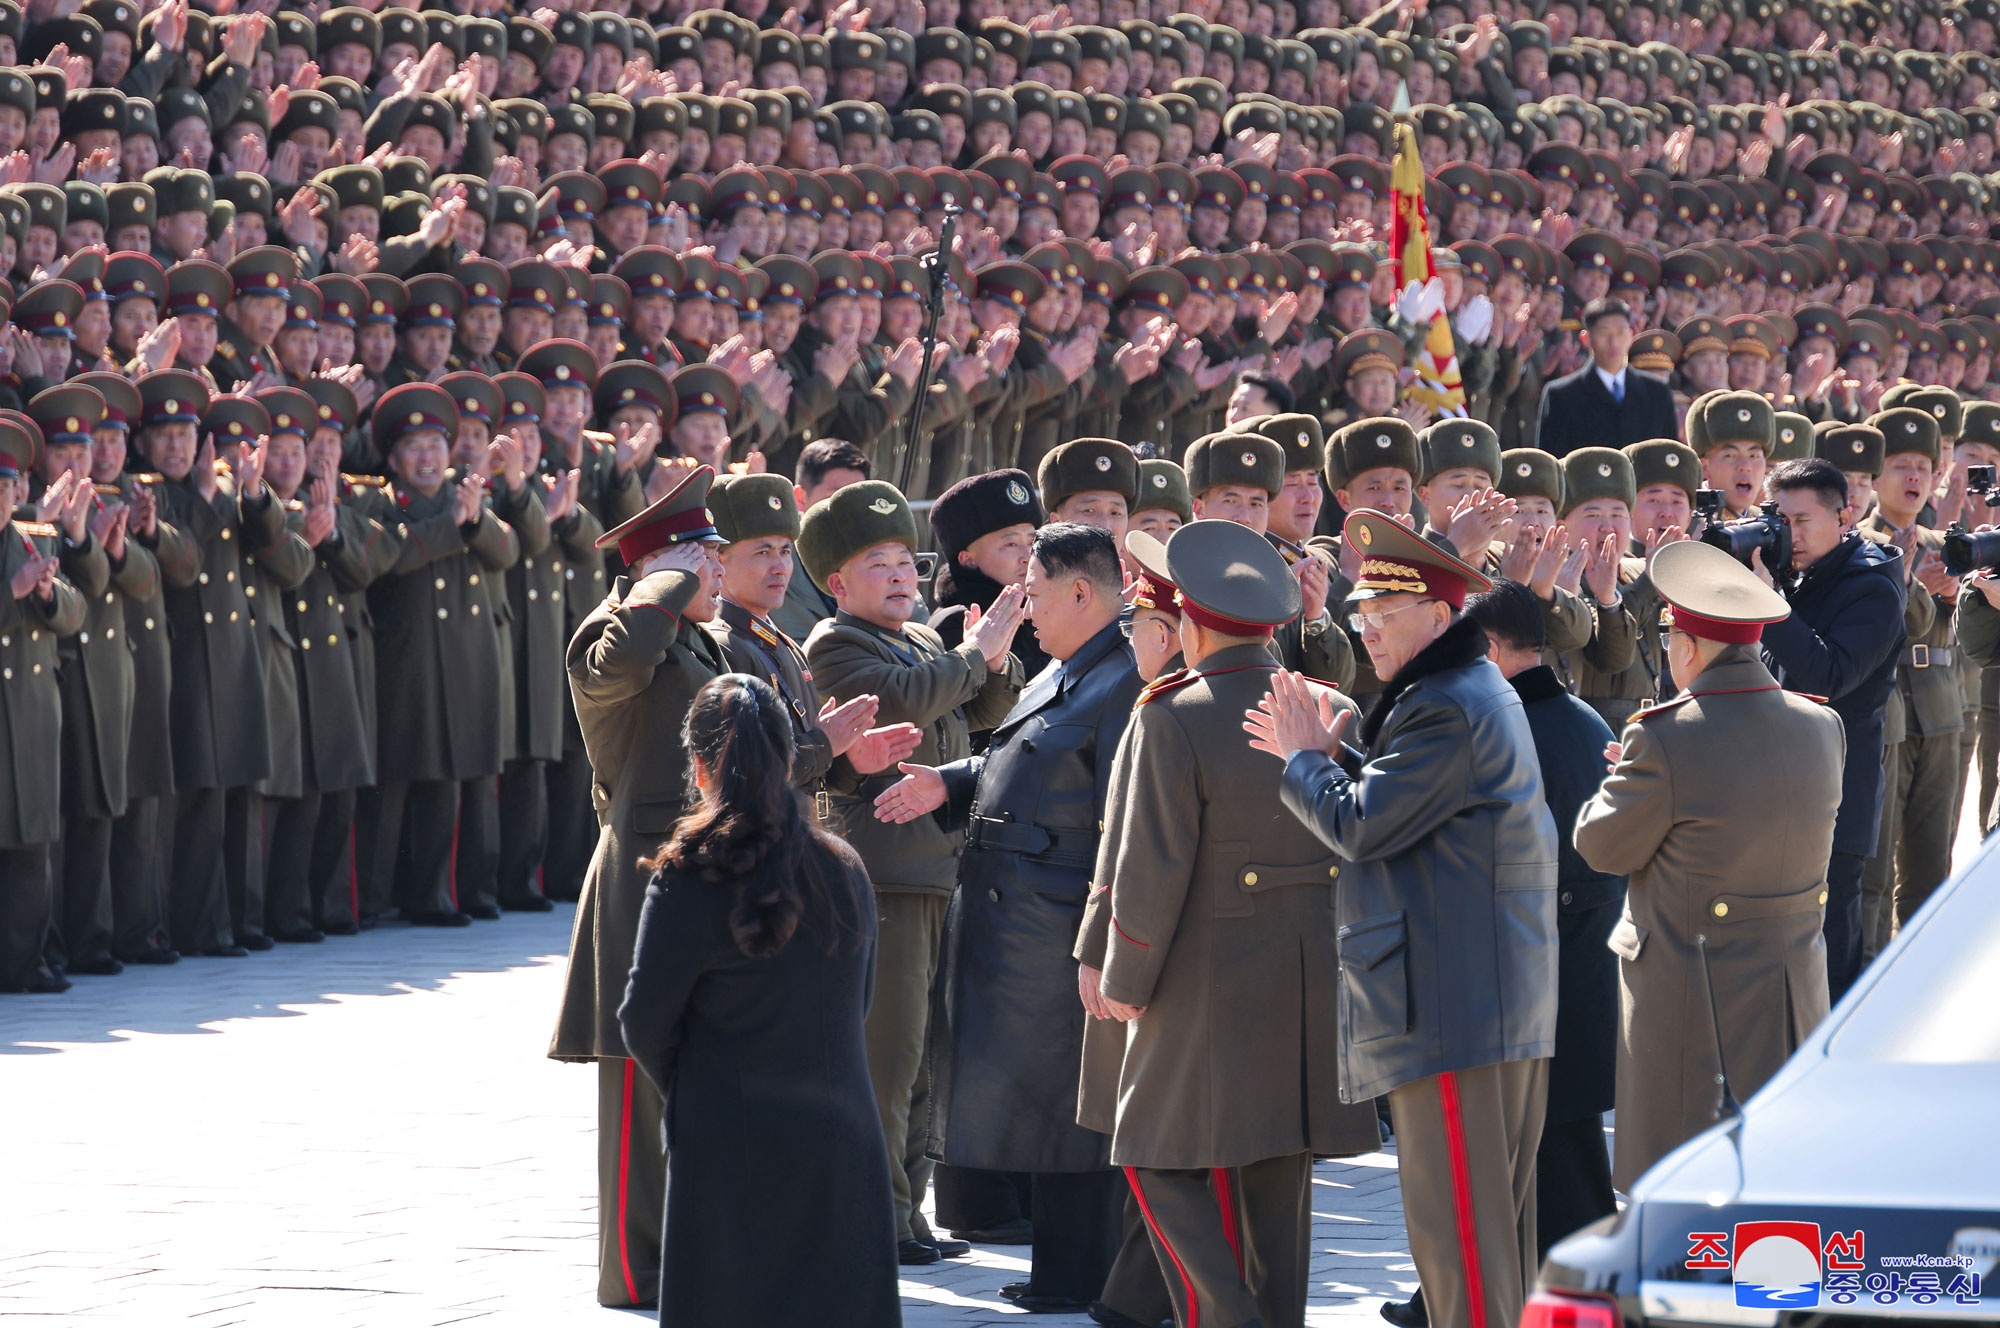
pixel 504 454
pixel 35 577
pixel 992 632
pixel 145 512
pixel 203 474
pixel 562 494
pixel 878 749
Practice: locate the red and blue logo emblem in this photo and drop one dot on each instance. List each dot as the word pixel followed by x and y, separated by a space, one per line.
pixel 1776 1265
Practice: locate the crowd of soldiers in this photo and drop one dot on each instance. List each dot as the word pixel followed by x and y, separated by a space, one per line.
pixel 355 356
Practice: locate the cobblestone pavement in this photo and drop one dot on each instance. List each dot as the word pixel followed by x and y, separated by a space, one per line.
pixel 367 1132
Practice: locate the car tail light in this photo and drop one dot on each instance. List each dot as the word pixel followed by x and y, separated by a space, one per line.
pixel 1563 1309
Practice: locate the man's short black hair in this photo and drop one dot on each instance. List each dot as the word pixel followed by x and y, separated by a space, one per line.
pixel 1509 614
pixel 1607 307
pixel 1275 388
pixel 1814 475
pixel 1070 549
pixel 825 454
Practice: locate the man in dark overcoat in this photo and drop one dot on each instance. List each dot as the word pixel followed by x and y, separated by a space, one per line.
pixel 1447 911
pixel 1007 1033
pixel 1572 1165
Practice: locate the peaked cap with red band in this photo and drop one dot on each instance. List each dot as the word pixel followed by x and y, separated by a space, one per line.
pixel 1711 595
pixel 1156 590
pixel 1395 560
pixel 1231 579
pixel 680 517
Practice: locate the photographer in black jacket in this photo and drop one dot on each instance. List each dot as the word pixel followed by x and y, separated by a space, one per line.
pixel 1840 643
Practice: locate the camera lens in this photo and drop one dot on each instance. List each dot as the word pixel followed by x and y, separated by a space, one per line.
pixel 1970 551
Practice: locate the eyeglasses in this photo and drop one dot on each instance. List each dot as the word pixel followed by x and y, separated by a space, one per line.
pixel 1362 622
pixel 1126 626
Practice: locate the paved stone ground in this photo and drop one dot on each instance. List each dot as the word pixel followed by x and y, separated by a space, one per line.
pixel 367 1132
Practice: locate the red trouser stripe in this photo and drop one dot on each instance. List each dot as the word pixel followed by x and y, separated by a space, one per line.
pixel 624 1185
pixel 1461 1196
pixel 1225 1198
pixel 1187 1283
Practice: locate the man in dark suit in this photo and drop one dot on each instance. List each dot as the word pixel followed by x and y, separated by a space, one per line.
pixel 1606 403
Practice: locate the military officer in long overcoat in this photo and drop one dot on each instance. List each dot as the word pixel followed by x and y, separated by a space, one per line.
pixel 96 674
pixel 1447 914
pixel 1007 1034
pixel 36 607
pixel 437 655
pixel 1740 862
pixel 538 595
pixel 221 727
pixel 634 668
pixel 308 641
pixel 268 576
pixel 138 868
pixel 1218 1106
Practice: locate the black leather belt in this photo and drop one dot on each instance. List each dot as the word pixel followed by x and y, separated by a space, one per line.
pixel 1007 836
pixel 1930 657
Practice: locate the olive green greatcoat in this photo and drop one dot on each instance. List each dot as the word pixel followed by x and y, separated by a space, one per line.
pixel 523 514
pixel 99 679
pixel 269 578
pixel 149 759
pixel 221 726
pixel 536 591
pixel 335 753
pixel 379 550
pixel 1213 908
pixel 634 669
pixel 437 656
pixel 30 705
pixel 1718 840
pixel 948 694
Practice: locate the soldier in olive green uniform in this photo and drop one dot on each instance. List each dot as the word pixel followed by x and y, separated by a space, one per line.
pixel 1921 772
pixel 36 608
pixel 96 675
pixel 269 575
pixel 537 595
pixel 1236 477
pixel 221 724
pixel 1599 490
pixel 263 279
pixel 1313 643
pixel 139 877
pixel 1216 1106
pixel 610 491
pixel 858 546
pixel 307 837
pixel 634 667
pixel 438 658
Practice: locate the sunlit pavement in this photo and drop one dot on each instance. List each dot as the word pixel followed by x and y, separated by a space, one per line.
pixel 367 1132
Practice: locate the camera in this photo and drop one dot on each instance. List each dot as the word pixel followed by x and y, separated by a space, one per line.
pixel 1974 550
pixel 1767 531
pixel 1708 503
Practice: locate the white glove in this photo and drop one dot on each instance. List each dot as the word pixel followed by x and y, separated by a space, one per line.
pixel 1475 319
pixel 1430 302
pixel 1408 303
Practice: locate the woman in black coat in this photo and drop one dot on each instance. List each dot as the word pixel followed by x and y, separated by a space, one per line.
pixel 753 969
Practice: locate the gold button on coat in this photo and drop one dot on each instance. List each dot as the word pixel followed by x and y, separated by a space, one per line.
pixel 1721 909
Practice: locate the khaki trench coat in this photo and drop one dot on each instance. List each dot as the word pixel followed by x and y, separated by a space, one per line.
pixel 1721 841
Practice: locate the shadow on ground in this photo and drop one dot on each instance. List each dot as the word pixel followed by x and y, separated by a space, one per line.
pixel 394 959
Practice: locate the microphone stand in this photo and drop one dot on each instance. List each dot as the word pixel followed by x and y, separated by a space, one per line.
pixel 934 267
